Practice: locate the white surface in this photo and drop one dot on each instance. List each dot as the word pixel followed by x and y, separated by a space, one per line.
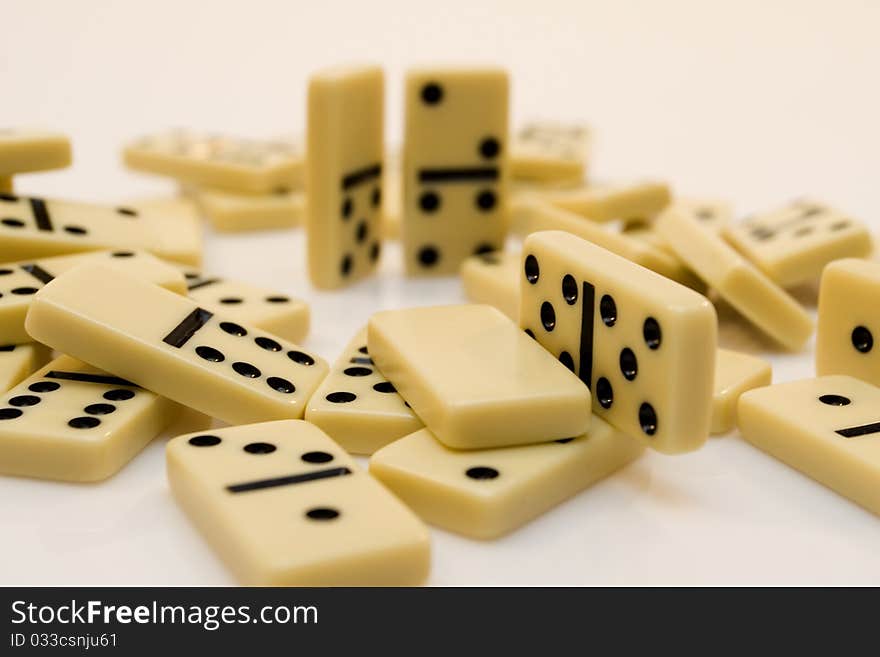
pixel 753 101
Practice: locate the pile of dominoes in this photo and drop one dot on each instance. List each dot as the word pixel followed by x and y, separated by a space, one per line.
pixel 596 339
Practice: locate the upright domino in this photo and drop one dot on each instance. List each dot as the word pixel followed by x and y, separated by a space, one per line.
pixel 20 281
pixel 735 373
pixel 455 167
pixel 357 406
pixel 174 347
pixel 754 295
pixel 284 505
pixel 489 492
pixel 828 428
pixel 24 150
pixel 229 212
pixel 20 360
pixel 792 244
pixel 475 379
pixel 644 345
pixel 550 151
pixel 73 422
pixel 493 278
pixel 344 174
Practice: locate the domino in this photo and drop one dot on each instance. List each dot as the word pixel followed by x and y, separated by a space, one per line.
pixel 283 505
pixel 177 220
pixel 849 320
pixel 174 347
pixel 493 278
pixel 20 360
pixel 24 150
pixel 791 245
pixel 487 493
pixel 276 312
pixel 455 167
pixel 828 428
pixel 20 281
pixel 550 151
pixel 644 345
pixel 357 407
pixel 73 422
pixel 6 186
pixel 759 299
pixel 735 373
pixel 605 202
pixel 392 200
pixel 344 174
pixel 219 161
pixel 712 214
pixel 475 379
pixel 233 213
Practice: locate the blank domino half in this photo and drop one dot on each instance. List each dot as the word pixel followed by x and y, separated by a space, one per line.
pixel 748 290
pixel 475 379
pixel 487 493
pixel 25 150
pixel 73 422
pixel 20 281
pixel 284 505
pixel 735 373
pixel 229 212
pixel 605 202
pixel 278 313
pixel 345 151
pixel 178 221
pixel 550 151
pixel 828 428
pixel 169 344
pixel 493 278
pixel 219 161
pixel 20 360
pixel 644 345
pixel 358 407
pixel 792 244
pixel 455 167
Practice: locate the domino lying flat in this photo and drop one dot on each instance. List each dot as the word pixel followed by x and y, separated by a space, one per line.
pixel 272 311
pixel 19 360
pixel 284 505
pixel 23 150
pixel 219 161
pixel 735 373
pixel 754 295
pixel 72 422
pixel 603 203
pixel 344 174
pixel 550 151
pixel 828 428
pixel 487 493
pixel 358 407
pixel 178 221
pixel 475 379
pixel 791 245
pixel 715 215
pixel 20 281
pixel 644 345
pixel 455 167
pixel 493 278
pixel 174 347
pixel 232 213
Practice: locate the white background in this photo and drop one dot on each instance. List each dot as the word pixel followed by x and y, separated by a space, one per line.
pixel 753 101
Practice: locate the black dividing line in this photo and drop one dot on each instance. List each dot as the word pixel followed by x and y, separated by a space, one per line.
pixel 105 379
pixel 187 328
pixel 585 366
pixel 8 347
pixel 203 283
pixel 863 430
pixel 41 214
pixel 462 174
pixel 288 480
pixel 39 273
pixel 361 175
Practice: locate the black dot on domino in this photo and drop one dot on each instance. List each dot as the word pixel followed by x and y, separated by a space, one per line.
pixel 322 513
pixel 259 448
pixel 267 343
pixel 548 316
pixel 231 301
pixel 532 270
pixel 363 350
pixel 75 230
pixel 604 393
pixel 341 397
pixel 652 333
pixel 300 357
pixel 210 354
pixel 317 457
pixel 357 371
pixel 99 409
pixel 232 328
pixel 362 231
pixel 278 299
pixel 482 472
pixel 483 250
pixel 862 339
pixel 384 386
pixel 835 400
pixel 375 251
pixel 5 272
pixel 345 265
pixel 24 400
pixel 432 93
pixel 24 291
pixel 204 441
pixel 489 147
pixel 428 256
pixel 486 200
pixel 246 369
pixel 280 385
pixel 118 394
pixel 569 289
pixel 347 208
pixel 376 197
pixel 44 386
pixel 122 254
pixel 12 222
pixel 648 418
pixel 629 365
pixel 127 212
pixel 566 359
pixel 9 413
pixel 608 310
pixel 84 422
pixel 429 201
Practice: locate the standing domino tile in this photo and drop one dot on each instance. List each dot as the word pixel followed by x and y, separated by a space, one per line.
pixel 487 493
pixel 20 281
pixel 284 505
pixel 229 212
pixel 754 295
pixel 358 407
pixel 170 345
pixel 72 422
pixel 275 312
pixel 604 202
pixel 735 373
pixel 20 360
pixel 550 151
pixel 644 345
pixel 493 278
pixel 828 428
pixel 24 150
pixel 219 161
pixel 791 245
pixel 455 167
pixel 344 174
pixel 475 379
